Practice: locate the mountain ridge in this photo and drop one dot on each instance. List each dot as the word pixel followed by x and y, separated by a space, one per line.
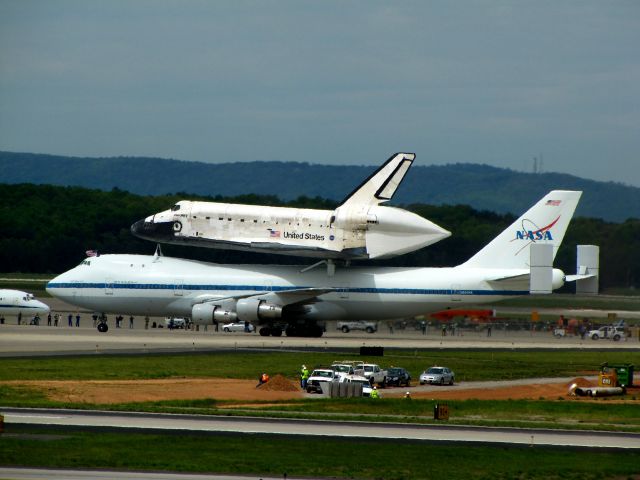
pixel 482 186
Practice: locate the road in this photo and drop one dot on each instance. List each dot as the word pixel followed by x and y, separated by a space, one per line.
pixel 305 428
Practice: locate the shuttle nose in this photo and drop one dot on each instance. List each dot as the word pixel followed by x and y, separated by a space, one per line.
pixel 155 231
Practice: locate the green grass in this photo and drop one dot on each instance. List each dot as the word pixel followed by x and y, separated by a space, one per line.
pixel 307 456
pixel 468 365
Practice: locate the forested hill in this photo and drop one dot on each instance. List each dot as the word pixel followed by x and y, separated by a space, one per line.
pixel 483 187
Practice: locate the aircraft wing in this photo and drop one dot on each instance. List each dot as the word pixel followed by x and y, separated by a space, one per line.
pixel 282 297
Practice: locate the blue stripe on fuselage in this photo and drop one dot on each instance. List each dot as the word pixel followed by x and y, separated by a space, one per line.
pixel 265 289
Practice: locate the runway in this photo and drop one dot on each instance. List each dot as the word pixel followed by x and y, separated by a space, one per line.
pixel 29 340
pixel 319 428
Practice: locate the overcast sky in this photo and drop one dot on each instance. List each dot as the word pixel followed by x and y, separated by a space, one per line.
pixel 327 82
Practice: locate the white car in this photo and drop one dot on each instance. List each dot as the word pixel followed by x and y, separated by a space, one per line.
pixel 237 327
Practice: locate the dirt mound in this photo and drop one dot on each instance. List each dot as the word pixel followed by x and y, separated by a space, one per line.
pixel 279 384
pixel 581 382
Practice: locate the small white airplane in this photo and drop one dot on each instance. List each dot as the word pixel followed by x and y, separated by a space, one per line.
pixel 358 229
pixel 14 302
pixel 302 298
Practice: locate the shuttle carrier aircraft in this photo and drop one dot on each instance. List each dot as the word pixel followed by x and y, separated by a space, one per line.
pixel 360 228
pixel 297 300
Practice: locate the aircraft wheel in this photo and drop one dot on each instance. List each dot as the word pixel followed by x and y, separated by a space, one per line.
pixel 103 327
pixel 265 331
pixel 345 329
pixel 369 330
pixel 276 332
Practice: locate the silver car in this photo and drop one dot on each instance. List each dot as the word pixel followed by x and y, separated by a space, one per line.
pixel 437 375
pixel 237 327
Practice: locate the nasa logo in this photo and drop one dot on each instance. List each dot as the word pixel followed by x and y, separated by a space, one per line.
pixel 534 236
pixel 539 234
pixel 331 237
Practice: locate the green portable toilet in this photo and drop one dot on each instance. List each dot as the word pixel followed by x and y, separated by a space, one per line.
pixel 625 373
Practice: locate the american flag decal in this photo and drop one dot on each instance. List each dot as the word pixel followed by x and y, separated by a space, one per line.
pixel 274 233
pixel 553 203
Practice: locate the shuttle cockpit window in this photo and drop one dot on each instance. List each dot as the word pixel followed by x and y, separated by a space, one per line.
pixel 85 262
pixel 175 208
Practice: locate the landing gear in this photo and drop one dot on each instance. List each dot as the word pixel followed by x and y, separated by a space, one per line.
pixel 270 330
pixel 102 324
pixel 304 330
pixel 293 330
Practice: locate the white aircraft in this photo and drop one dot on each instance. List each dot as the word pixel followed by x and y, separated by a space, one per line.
pixel 301 299
pixel 14 302
pixel 358 229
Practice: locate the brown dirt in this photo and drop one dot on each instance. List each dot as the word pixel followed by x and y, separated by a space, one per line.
pixel 278 388
pixel 104 391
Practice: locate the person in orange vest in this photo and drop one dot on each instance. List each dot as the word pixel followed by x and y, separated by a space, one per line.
pixel 264 378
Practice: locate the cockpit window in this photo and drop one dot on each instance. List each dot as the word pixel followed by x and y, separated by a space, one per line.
pixel 175 208
pixel 85 262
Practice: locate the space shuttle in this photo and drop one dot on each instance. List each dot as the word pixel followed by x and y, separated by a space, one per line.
pixel 360 228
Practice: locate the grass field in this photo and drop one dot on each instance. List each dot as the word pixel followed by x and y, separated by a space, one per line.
pixel 468 365
pixel 308 457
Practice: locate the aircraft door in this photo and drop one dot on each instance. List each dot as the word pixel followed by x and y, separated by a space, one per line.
pixel 178 288
pixel 108 286
pixel 456 294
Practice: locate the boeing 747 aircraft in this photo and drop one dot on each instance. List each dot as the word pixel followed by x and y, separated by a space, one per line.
pixel 14 302
pixel 302 298
pixel 360 228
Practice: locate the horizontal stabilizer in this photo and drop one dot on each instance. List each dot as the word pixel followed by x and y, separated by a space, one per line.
pixel 576 278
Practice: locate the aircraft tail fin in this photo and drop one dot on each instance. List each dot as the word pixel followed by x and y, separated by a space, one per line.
pixel 383 183
pixel 546 222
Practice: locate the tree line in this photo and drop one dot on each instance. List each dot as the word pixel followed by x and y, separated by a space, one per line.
pixel 47 229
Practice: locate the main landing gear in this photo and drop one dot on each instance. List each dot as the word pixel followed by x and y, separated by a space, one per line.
pixel 293 330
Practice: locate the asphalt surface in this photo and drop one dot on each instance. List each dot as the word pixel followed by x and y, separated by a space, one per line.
pixel 315 428
pixel 45 474
pixel 31 340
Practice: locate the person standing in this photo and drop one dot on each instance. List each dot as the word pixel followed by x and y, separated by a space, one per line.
pixel 19 318
pixel 304 376
pixel 70 319
pixel 77 320
pixel 49 320
pixel 131 321
pixel 374 393
pixel 56 319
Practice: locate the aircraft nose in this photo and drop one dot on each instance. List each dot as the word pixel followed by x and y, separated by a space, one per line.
pixel 153 230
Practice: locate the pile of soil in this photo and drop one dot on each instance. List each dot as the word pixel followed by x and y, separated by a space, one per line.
pixel 279 384
pixel 581 382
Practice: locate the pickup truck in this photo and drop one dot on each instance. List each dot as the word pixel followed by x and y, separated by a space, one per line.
pixel 319 376
pixel 347 326
pixel 372 372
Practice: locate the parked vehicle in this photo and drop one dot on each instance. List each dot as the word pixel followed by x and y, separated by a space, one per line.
pixel 319 376
pixel 437 375
pixel 397 376
pixel 609 332
pixel 237 327
pixel 346 327
pixel 366 386
pixel 174 322
pixel 372 372
pixel 343 368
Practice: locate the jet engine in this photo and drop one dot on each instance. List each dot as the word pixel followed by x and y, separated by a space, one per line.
pixel 208 314
pixel 253 309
